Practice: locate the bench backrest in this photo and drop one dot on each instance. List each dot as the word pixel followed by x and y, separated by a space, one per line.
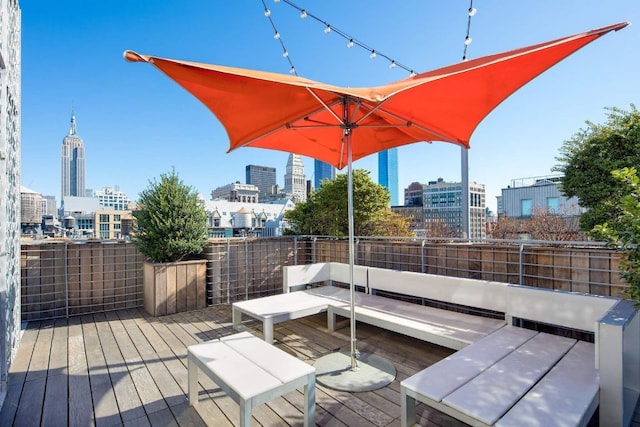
pixel 468 292
pixel 300 275
pixel 340 273
pixel 568 309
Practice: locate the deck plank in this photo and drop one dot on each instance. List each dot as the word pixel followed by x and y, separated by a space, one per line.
pixel 18 374
pixel 105 404
pixel 129 402
pixel 56 408
pixel 81 411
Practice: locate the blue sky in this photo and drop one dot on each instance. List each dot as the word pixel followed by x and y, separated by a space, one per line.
pixel 137 124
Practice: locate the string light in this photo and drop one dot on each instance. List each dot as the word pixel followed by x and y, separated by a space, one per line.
pixel 276 35
pixel 467 39
pixel 351 41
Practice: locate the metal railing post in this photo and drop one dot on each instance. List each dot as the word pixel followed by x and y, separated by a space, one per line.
pixel 295 250
pixel 423 267
pixel 66 279
pixel 246 269
pixel 314 248
pixel 357 251
pixel 228 271
pixel 521 265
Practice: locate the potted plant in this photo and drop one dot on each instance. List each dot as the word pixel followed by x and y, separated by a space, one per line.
pixel 171 232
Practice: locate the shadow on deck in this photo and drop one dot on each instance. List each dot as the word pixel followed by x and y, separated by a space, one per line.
pixel 126 368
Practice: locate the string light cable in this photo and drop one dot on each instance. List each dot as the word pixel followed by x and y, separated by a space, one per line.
pixel 467 40
pixel 351 41
pixel 278 37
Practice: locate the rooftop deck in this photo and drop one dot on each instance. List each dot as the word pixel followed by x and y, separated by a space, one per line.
pixel 126 368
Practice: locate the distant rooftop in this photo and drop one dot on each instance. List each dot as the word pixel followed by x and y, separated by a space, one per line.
pixel 536 180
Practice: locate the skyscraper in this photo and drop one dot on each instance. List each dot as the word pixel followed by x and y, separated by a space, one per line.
pixel 388 173
pixel 73 171
pixel 295 179
pixel 263 177
pixel 322 171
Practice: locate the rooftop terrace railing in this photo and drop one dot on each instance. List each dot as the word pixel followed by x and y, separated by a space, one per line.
pixel 64 279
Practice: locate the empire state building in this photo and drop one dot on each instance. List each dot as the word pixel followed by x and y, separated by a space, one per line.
pixel 73 171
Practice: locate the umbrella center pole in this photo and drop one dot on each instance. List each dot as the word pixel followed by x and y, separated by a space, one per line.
pixel 354 351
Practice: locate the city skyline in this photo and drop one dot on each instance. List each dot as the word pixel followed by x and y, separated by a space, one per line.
pixel 137 125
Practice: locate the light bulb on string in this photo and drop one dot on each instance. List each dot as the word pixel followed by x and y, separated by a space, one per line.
pixel 393 64
pixel 350 44
pixel 285 54
pixel 303 14
pixel 276 35
pixel 292 70
pixel 373 54
pixel 467 41
pixel 412 74
pixel 267 13
pixel 327 29
pixel 472 11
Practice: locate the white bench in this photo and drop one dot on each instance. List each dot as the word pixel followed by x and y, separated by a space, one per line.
pixel 516 376
pixel 294 305
pixel 251 372
pixel 448 328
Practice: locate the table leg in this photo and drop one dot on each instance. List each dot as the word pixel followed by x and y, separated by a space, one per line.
pixel 245 413
pixel 236 316
pixel 267 328
pixel 310 401
pixel 193 380
pixel 407 409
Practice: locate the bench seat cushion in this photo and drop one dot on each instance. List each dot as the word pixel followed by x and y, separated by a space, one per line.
pixel 443 327
pixel 566 396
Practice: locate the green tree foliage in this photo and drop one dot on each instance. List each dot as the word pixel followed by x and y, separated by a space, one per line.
pixel 171 221
pixel 623 231
pixel 587 159
pixel 326 212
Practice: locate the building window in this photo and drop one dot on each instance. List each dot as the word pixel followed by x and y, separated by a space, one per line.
pixel 104 218
pixel 553 204
pixel 104 227
pixel 116 218
pixel 526 205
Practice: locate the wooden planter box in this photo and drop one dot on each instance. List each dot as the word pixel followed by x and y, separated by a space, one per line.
pixel 174 287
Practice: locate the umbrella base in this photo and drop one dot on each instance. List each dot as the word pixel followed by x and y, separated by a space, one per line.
pixel 334 371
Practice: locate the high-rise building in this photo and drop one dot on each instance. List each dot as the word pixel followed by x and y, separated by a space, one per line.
pixel 322 171
pixel 443 208
pixel 73 168
pixel 263 177
pixel 388 173
pixel 295 179
pixel 10 113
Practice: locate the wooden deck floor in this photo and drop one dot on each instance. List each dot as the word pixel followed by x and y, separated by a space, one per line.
pixel 126 368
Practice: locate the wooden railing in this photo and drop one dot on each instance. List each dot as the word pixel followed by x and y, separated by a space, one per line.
pixel 63 279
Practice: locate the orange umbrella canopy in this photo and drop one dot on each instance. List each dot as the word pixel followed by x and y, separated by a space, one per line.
pixel 297 115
